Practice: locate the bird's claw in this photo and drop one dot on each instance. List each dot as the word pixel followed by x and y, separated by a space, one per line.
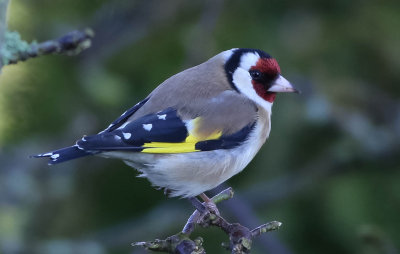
pixel 211 207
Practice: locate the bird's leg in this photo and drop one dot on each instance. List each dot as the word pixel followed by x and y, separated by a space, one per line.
pixel 198 205
pixel 204 197
pixel 209 204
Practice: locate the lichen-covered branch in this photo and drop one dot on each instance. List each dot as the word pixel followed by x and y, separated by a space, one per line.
pixel 240 237
pixel 14 49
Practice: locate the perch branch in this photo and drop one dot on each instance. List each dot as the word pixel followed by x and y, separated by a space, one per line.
pixel 240 237
pixel 194 218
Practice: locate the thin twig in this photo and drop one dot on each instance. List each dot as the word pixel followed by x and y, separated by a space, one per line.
pixel 15 49
pixel 270 226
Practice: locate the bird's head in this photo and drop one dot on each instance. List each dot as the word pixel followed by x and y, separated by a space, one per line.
pixel 255 74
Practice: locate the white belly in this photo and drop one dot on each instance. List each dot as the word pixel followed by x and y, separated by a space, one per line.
pixel 190 174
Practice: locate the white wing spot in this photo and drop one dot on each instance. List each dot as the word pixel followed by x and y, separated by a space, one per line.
pixel 147 127
pixel 55 156
pixel 162 117
pixel 118 137
pixel 126 135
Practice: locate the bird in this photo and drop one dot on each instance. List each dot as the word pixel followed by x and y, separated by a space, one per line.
pixel 198 128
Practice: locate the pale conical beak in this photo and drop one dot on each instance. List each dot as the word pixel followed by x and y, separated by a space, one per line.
pixel 282 85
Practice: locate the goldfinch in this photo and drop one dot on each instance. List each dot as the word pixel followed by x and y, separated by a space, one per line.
pixel 196 129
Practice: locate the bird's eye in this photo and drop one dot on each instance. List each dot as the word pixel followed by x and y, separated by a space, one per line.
pixel 256 75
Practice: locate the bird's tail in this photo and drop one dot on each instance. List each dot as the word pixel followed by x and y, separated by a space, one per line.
pixel 63 154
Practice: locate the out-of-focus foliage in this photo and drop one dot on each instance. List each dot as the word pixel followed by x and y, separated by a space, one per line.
pixel 329 171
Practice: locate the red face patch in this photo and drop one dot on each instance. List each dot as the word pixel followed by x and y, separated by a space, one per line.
pixel 270 68
pixel 260 90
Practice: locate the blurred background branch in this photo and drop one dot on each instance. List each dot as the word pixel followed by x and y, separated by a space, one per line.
pixel 15 49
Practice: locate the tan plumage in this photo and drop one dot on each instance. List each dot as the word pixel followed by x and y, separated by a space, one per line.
pixel 203 91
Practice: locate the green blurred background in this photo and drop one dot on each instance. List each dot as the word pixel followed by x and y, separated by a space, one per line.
pixel 329 172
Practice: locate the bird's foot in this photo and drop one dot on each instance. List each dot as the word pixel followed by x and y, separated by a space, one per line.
pixel 209 204
pixel 211 207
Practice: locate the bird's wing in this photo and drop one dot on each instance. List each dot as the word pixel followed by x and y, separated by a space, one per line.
pixel 190 86
pixel 125 116
pixel 220 123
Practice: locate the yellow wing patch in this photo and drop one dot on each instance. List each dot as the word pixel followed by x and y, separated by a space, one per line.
pixel 161 147
pixel 188 146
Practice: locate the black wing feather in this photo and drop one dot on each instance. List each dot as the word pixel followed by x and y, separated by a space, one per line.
pixel 122 119
pixel 226 141
pixel 64 154
pixel 164 126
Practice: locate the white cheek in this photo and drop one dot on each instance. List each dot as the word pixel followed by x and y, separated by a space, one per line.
pixel 242 80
